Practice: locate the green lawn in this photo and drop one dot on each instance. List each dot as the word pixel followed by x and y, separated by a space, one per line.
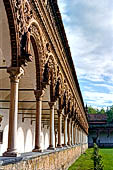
pixel 86 163
pixel 107 157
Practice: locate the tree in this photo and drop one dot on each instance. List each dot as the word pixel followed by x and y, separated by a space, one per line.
pixel 91 110
pixel 102 111
pixel 109 113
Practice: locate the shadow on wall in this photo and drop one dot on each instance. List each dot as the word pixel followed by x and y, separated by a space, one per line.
pixel 25 137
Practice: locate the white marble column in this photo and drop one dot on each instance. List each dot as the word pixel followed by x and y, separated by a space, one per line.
pixel 65 130
pixel 59 128
pixel 51 143
pixel 38 95
pixel 15 75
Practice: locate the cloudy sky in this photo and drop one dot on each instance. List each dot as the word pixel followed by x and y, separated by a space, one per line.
pixel 89 29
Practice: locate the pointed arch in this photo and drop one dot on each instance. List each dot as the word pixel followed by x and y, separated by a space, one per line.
pixel 13 38
pixel 38 47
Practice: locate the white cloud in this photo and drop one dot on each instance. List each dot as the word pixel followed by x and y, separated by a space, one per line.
pixel 99 99
pixel 89 28
pixel 63 9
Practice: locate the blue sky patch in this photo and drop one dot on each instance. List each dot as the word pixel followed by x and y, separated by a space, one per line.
pixel 89 29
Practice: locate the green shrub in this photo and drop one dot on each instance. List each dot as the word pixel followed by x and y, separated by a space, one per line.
pixel 98 164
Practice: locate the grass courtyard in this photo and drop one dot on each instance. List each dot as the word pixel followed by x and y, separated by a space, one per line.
pixel 86 163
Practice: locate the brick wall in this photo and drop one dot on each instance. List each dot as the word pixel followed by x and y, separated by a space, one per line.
pixel 58 160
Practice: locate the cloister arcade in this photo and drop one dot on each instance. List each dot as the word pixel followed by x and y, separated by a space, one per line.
pixel 41 105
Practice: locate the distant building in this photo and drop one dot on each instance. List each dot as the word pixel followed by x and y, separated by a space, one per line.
pixel 100 131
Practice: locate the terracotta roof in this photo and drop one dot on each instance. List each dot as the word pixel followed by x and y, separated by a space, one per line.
pixel 61 30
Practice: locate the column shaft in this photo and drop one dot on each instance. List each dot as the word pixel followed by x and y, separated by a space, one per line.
pixel 15 75
pixel 55 138
pixel 59 129
pixel 12 136
pixel 77 136
pixel 65 131
pixel 69 132
pixel 72 133
pixel 51 144
pixel 80 135
pixel 82 138
pixel 38 123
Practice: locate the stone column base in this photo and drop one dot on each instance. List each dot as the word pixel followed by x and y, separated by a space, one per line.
pixel 64 145
pixel 72 145
pixel 11 154
pixel 51 148
pixel 37 149
pixel 59 146
pixel 69 145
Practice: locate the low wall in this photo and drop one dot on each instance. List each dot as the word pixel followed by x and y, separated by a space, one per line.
pixel 60 159
pixel 84 147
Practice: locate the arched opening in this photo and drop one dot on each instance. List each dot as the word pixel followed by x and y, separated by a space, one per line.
pixel 48 99
pixel 28 141
pixel 27 101
pixel 11 26
pixel 46 140
pixel 5 43
pixel 20 140
pixel 5 61
pixel 5 141
pixel 37 63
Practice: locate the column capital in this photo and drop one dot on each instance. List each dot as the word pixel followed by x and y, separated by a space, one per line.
pixel 70 119
pixel 65 116
pixel 59 111
pixel 15 73
pixel 39 94
pixel 51 104
pixel 73 122
pixel 56 131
